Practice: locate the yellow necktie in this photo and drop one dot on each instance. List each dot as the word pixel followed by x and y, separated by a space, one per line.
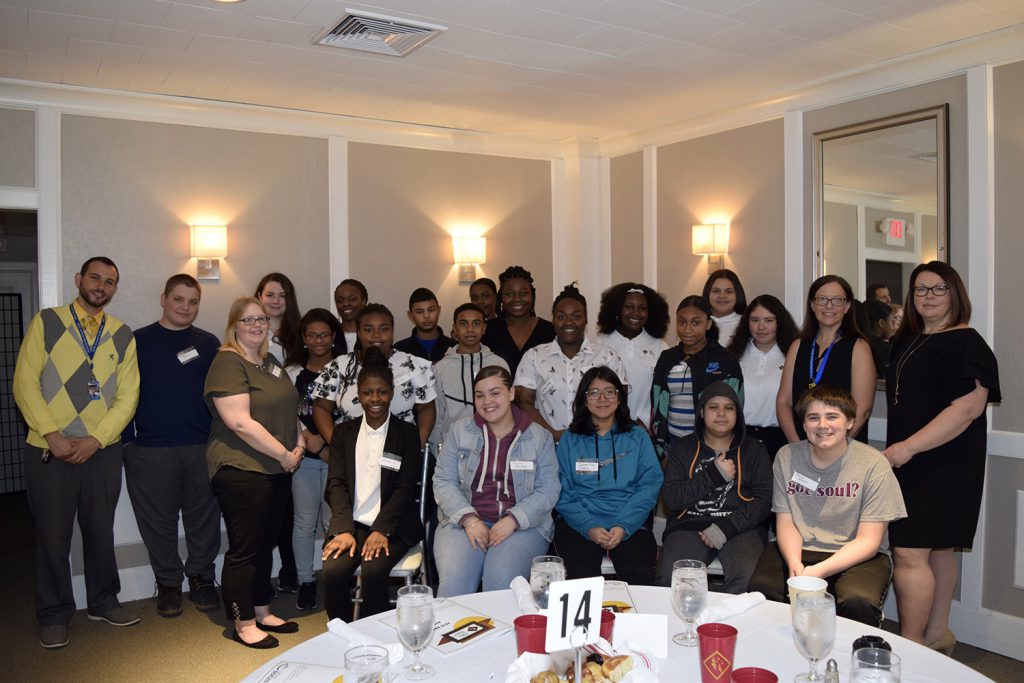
pixel 91 327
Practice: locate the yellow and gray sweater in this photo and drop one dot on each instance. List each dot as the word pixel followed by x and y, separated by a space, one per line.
pixel 51 379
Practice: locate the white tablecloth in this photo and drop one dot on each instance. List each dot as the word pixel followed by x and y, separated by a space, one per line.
pixel 765 640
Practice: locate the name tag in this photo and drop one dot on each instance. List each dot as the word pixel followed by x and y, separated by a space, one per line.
pixel 587 466
pixel 186 356
pixel 391 462
pixel 275 370
pixel 93 387
pixel 521 466
pixel 806 482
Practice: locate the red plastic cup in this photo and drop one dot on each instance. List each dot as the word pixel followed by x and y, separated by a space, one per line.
pixel 530 631
pixel 607 624
pixel 752 674
pixel 717 645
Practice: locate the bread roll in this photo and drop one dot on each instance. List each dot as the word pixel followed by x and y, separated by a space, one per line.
pixel 545 677
pixel 614 668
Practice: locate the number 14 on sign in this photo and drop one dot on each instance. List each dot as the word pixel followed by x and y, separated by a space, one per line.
pixel 574 613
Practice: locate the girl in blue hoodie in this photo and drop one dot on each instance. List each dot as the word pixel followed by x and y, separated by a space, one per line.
pixel 610 480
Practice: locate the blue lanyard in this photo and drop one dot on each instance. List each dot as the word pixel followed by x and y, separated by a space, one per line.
pixel 815 376
pixel 90 351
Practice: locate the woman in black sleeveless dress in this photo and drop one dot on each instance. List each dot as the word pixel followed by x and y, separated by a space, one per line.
pixel 941 377
pixel 832 350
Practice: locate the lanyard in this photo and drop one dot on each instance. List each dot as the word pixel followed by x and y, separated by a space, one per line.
pixel 815 376
pixel 90 351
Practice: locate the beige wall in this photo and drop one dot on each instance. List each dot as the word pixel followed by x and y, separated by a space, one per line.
pixel 627 213
pixel 948 90
pixel 17 148
pixel 1008 87
pixel 404 202
pixel 738 176
pixel 130 189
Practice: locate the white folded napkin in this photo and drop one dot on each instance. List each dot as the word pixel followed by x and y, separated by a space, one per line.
pixel 524 596
pixel 730 607
pixel 356 637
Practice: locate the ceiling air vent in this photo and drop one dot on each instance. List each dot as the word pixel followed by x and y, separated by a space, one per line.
pixel 379 34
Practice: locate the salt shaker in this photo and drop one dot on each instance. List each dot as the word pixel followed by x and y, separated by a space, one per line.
pixel 831 672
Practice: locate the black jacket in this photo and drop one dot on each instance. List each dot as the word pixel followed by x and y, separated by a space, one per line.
pixel 399 513
pixel 414 348
pixel 695 492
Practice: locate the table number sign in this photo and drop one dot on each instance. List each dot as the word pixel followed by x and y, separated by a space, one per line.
pixel 574 613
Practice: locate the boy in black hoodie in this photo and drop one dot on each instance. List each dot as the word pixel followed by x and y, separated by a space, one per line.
pixel 718 491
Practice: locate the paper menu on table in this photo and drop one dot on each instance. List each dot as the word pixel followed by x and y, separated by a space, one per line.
pixel 457 626
pixel 617 597
pixel 295 672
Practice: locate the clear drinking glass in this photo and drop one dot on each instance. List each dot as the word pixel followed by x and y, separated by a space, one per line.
pixel 366 663
pixel 814 630
pixel 874 665
pixel 415 612
pixel 544 570
pixel 689 595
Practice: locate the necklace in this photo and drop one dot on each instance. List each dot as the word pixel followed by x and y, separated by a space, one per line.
pixel 903 361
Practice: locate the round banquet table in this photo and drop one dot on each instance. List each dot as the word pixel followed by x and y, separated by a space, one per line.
pixel 765 640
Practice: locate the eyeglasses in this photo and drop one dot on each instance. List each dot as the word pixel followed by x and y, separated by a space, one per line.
pixel 594 394
pixel 259 320
pixel 941 289
pixel 826 300
pixel 313 336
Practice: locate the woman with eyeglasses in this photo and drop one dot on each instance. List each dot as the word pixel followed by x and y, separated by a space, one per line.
pixel 255 442
pixel 941 377
pixel 610 480
pixel 321 334
pixel 831 349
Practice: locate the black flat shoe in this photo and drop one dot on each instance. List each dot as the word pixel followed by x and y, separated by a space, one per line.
pixel 265 644
pixel 286 627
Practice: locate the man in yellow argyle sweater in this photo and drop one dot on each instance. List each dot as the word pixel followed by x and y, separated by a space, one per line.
pixel 77 383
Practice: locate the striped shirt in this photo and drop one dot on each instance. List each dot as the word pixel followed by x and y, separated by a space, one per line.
pixel 680 401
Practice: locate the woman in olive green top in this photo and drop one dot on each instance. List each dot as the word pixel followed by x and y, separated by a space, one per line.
pixel 254 441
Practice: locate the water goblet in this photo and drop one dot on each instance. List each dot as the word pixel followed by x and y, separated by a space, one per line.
pixel 415 614
pixel 814 631
pixel 544 570
pixel 875 665
pixel 689 595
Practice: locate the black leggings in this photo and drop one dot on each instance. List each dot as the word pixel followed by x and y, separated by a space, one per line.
pixel 339 572
pixel 633 557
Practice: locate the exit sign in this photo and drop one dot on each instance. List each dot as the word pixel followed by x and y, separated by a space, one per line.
pixel 895 230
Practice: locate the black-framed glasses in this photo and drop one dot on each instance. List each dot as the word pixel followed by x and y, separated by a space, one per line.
pixel 826 300
pixel 314 336
pixel 258 320
pixel 941 289
pixel 609 392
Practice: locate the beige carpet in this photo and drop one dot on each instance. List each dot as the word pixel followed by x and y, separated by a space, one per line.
pixel 192 647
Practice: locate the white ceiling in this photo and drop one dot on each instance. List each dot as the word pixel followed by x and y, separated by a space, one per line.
pixel 897 162
pixel 545 69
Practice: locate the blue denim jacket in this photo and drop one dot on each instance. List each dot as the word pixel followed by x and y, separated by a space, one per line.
pixel 536 490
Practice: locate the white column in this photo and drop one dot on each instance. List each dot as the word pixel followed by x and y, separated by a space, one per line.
pixel 795 239
pixel 576 220
pixel 48 239
pixel 650 218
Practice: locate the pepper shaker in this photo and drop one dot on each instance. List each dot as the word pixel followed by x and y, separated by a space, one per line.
pixel 831 672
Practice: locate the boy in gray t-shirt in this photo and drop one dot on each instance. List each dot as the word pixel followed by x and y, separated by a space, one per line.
pixel 833 500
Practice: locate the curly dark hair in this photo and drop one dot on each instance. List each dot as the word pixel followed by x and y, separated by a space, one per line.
pixel 581 419
pixel 513 273
pixel 371 309
pixel 376 365
pixel 701 304
pixel 741 296
pixel 570 291
pixel 785 327
pixel 288 332
pixel 317 315
pixel 614 298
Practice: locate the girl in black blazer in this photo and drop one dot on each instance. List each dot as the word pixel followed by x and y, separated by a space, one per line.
pixel 371 487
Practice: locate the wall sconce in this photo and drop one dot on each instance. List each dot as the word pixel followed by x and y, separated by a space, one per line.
pixel 469 252
pixel 209 245
pixel 711 241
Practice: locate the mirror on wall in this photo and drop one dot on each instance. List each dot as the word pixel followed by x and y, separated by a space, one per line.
pixel 881 201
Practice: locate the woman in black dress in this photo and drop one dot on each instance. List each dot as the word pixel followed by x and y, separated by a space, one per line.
pixel 832 350
pixel 941 377
pixel 517 329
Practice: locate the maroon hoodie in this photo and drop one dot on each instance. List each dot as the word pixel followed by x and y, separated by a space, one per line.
pixel 493 492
